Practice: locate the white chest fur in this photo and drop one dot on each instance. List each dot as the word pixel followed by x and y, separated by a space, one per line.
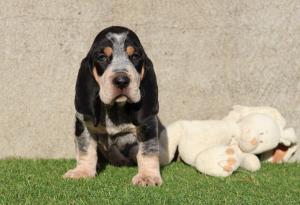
pixel 111 128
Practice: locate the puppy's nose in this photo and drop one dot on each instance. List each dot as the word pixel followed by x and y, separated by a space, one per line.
pixel 121 81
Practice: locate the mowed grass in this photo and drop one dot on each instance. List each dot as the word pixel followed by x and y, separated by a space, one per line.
pixel 41 182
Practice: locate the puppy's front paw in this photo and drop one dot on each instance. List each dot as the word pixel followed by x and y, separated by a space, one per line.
pixel 147 180
pixel 79 173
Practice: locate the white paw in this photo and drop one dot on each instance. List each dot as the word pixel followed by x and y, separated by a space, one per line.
pixel 231 162
pixel 79 173
pixel 147 180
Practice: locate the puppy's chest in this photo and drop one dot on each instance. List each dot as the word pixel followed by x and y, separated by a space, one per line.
pixel 113 128
pixel 109 127
pixel 111 134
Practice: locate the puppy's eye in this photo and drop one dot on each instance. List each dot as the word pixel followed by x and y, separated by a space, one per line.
pixel 101 57
pixel 135 56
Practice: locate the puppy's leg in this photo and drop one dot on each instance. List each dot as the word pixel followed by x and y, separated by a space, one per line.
pixel 117 158
pixel 148 170
pixel 148 155
pixel 86 154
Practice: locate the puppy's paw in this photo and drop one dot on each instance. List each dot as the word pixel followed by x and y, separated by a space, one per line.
pixel 146 180
pixel 79 173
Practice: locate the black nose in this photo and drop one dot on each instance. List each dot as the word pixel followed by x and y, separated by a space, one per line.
pixel 121 81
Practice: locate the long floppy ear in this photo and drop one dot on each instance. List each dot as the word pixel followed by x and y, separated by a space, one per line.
pixel 148 106
pixel 87 101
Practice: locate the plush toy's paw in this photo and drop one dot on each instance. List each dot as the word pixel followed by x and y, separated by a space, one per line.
pixel 147 180
pixel 250 162
pixel 218 161
pixel 231 162
pixel 79 173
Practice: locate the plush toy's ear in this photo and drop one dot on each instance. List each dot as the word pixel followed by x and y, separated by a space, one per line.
pixel 87 101
pixel 234 114
pixel 288 137
pixel 286 148
pixel 148 106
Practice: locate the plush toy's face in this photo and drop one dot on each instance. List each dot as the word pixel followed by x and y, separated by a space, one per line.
pixel 259 133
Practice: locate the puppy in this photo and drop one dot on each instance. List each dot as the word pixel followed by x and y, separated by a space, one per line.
pixel 117 104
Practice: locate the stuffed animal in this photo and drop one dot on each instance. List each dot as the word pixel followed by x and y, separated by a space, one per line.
pixel 286 149
pixel 219 147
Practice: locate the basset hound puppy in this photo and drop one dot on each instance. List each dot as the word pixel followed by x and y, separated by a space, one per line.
pixel 117 104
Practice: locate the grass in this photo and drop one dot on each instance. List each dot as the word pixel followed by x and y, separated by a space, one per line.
pixel 40 182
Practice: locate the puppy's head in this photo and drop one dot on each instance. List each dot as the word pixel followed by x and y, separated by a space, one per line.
pixel 117 69
pixel 118 60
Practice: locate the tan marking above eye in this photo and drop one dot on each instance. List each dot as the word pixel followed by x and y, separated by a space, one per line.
pixel 107 51
pixel 130 50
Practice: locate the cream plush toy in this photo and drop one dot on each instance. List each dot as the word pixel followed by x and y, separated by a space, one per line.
pixel 288 145
pixel 219 147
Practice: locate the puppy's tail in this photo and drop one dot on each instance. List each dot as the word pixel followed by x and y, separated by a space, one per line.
pixel 169 140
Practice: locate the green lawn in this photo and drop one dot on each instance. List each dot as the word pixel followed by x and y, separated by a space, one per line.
pixel 41 182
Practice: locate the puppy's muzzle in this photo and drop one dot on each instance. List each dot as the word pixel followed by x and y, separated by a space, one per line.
pixel 121 81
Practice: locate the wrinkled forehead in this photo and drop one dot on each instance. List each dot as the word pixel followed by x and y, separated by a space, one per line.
pixel 118 42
